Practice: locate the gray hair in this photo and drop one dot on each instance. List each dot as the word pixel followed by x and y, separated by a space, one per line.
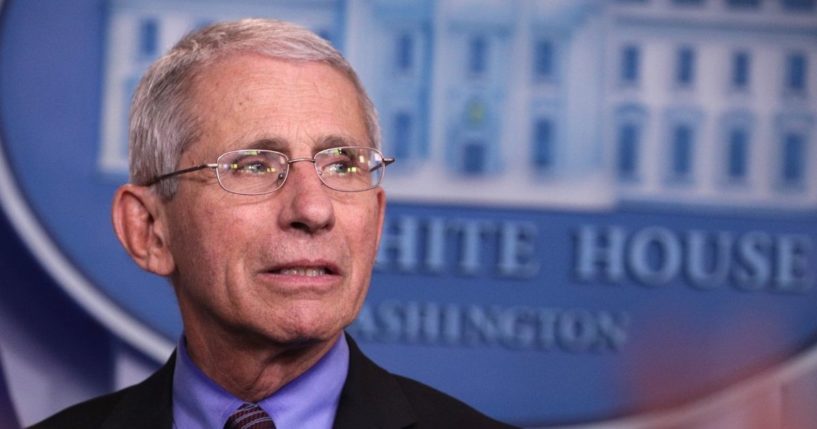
pixel 162 123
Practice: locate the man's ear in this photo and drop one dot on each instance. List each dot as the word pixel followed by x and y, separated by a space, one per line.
pixel 140 224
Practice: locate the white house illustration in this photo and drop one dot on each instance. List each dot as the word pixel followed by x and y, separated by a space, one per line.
pixel 581 104
pixel 713 102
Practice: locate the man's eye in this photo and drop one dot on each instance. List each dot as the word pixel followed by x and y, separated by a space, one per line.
pixel 341 168
pixel 252 167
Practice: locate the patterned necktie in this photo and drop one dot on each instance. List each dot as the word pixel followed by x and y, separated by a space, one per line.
pixel 249 416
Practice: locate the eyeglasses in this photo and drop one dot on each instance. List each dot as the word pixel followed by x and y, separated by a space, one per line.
pixel 260 171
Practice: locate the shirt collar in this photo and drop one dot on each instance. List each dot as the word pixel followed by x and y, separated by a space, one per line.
pixel 309 401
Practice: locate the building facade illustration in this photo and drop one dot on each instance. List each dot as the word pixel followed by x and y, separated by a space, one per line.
pixel 581 104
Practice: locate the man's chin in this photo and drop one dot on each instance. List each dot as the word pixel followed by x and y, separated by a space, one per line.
pixel 309 324
pixel 306 337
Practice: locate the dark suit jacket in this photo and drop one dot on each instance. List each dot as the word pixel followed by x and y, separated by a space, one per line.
pixel 371 398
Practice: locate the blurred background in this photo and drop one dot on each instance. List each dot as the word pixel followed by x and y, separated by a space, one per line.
pixel 603 214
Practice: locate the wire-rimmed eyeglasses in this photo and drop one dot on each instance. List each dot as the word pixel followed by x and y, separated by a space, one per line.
pixel 261 171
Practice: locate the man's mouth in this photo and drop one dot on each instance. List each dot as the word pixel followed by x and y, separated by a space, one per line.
pixel 315 276
pixel 303 271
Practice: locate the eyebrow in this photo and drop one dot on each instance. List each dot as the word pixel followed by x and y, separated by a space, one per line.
pixel 279 144
pixel 336 140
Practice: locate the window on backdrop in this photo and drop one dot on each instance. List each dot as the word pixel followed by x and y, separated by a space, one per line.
pixel 681 151
pixel 543 144
pixel 685 67
pixel 630 64
pixel 796 73
pixel 793 159
pixel 741 70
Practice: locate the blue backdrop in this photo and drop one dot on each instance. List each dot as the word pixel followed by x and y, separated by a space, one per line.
pixel 600 208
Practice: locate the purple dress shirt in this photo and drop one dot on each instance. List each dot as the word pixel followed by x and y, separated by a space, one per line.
pixel 309 401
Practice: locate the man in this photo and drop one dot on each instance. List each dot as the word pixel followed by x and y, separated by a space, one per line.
pixel 254 188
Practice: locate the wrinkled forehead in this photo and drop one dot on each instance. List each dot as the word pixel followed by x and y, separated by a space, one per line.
pixel 252 101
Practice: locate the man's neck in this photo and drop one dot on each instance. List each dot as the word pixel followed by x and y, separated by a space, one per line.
pixel 253 371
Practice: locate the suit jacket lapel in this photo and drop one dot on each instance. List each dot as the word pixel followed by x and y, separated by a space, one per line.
pixel 371 397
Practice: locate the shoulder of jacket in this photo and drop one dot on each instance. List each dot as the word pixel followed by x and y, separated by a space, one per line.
pixel 89 414
pixel 147 401
pixel 443 410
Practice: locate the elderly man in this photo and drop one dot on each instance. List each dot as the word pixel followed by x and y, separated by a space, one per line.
pixel 255 171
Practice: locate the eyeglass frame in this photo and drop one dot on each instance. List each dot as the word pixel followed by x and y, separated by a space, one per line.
pixel 385 162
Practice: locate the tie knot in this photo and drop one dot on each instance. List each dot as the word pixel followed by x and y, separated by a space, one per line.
pixel 249 416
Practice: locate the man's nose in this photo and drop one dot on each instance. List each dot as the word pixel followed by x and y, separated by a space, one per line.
pixel 307 204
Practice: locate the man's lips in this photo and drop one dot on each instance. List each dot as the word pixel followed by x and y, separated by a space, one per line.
pixel 304 269
pixel 310 277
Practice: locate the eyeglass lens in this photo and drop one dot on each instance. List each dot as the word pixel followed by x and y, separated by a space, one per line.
pixel 253 172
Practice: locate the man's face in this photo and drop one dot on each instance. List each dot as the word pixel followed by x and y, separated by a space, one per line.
pixel 289 266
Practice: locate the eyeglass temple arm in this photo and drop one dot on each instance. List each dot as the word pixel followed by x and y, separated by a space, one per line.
pixel 386 161
pixel 158 179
